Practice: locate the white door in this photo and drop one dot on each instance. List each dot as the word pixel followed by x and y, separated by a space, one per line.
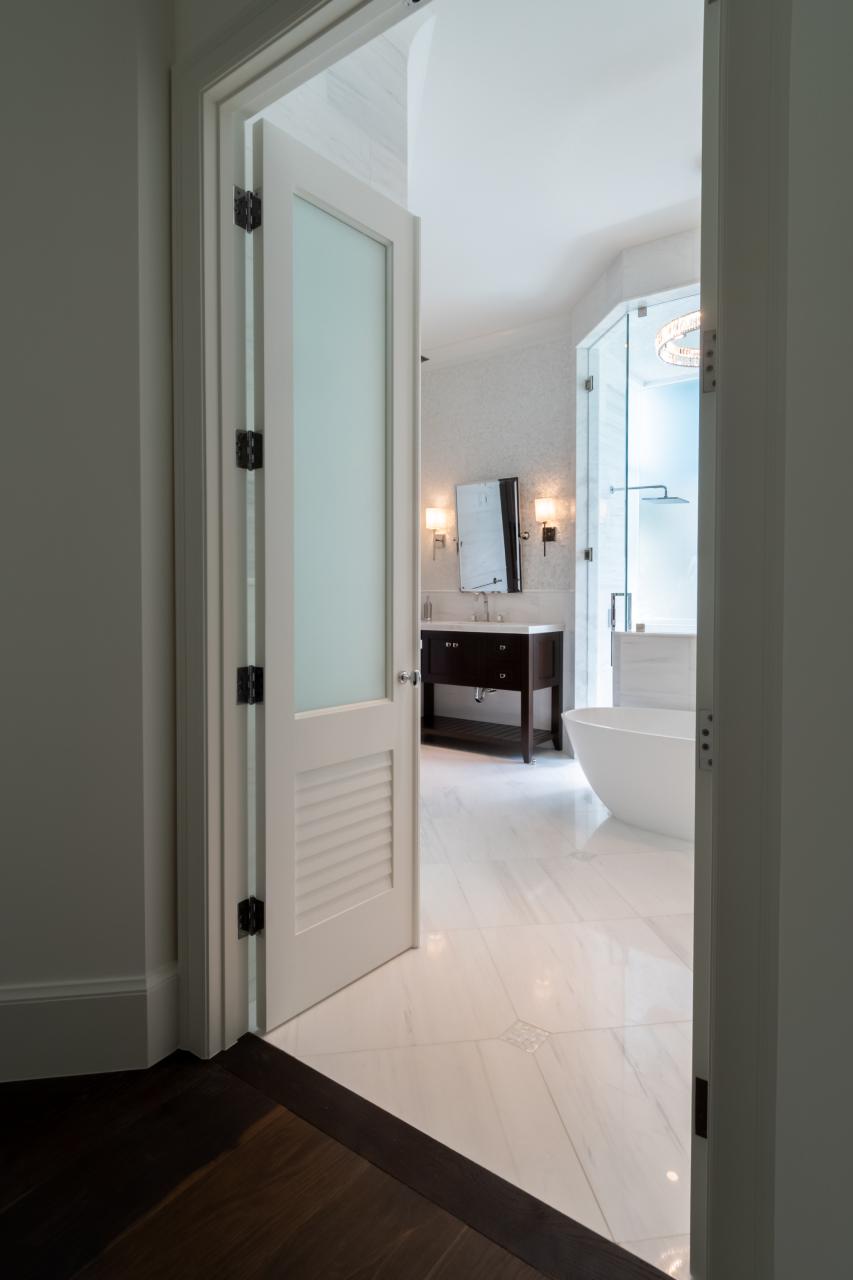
pixel 338 367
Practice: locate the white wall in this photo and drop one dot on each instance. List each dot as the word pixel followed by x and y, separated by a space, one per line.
pixel 504 414
pixel 197 22
pixel 88 876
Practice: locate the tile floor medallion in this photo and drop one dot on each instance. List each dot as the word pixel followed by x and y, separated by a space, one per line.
pixel 525 1037
pixel 543 1026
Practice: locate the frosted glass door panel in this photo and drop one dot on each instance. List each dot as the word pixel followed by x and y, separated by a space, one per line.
pixel 340 542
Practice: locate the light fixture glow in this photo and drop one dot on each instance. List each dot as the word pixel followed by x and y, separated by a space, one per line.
pixel 436 518
pixel 668 347
pixel 546 514
pixel 436 523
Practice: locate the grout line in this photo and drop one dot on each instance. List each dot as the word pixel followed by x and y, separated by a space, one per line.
pixel 571 1142
pixel 303 1054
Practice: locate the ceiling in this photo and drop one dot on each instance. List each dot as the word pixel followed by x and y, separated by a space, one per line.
pixel 544 137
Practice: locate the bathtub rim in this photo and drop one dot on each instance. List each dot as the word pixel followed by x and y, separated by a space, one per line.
pixel 583 716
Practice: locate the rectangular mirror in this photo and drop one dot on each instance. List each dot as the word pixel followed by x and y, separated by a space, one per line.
pixel 487 524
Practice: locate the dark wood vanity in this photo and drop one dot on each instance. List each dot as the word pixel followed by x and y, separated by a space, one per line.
pixel 522 659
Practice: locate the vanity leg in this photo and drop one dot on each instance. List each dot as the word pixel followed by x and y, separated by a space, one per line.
pixel 527 703
pixel 557 716
pixel 429 704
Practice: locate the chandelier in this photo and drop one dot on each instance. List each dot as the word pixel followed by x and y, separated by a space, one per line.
pixel 667 341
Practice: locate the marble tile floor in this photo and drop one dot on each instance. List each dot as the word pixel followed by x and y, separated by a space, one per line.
pixel 543 1026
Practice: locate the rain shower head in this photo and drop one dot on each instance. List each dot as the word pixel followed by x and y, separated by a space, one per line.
pixel 664 500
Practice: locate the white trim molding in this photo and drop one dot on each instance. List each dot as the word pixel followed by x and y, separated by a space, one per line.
pixel 108 1024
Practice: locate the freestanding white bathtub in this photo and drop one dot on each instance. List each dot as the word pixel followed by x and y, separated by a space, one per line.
pixel 640 762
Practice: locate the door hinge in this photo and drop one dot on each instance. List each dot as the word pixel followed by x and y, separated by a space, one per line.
pixel 247 209
pixel 705 740
pixel 250 917
pixel 700 1107
pixel 588 553
pixel 709 360
pixel 250 685
pixel 589 384
pixel 250 450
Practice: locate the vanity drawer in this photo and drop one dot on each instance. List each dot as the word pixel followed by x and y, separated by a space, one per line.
pixel 502 648
pixel 495 673
pixel 451 655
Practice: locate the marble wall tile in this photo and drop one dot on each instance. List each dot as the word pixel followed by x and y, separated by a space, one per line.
pixel 652 670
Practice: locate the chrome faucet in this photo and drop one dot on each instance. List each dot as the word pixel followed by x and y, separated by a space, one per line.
pixel 485 596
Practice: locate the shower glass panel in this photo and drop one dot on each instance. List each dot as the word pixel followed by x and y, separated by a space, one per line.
pixel 609 599
pixel 641 487
pixel 663 470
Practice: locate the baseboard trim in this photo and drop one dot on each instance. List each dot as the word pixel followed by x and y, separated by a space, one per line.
pixel 87 1028
pixel 534 1232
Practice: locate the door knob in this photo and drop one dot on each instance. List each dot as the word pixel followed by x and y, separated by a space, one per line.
pixel 410 677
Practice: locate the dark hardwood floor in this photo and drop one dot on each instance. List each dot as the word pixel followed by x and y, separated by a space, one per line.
pixel 197 1169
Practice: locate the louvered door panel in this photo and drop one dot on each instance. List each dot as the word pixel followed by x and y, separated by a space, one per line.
pixel 344 831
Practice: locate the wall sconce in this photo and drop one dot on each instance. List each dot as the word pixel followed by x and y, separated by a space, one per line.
pixel 546 510
pixel 436 522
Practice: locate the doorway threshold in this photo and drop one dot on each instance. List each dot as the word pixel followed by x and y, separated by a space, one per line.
pixel 542 1237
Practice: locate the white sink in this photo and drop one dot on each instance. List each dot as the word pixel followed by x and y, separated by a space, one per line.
pixel 512 628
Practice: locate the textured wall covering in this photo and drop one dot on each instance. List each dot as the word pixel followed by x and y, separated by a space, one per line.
pixel 507 414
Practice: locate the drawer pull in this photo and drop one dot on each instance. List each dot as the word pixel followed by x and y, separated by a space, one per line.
pixel 502 647
pixel 451 644
pixel 503 677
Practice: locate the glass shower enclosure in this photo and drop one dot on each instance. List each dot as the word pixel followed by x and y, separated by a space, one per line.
pixel 638 445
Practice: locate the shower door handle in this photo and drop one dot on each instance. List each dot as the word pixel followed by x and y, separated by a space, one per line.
pixel 614 596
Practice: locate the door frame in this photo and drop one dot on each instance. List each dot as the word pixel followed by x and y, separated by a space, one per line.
pixel 273 47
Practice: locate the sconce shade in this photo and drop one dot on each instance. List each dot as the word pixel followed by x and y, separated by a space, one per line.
pixel 436 518
pixel 546 510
